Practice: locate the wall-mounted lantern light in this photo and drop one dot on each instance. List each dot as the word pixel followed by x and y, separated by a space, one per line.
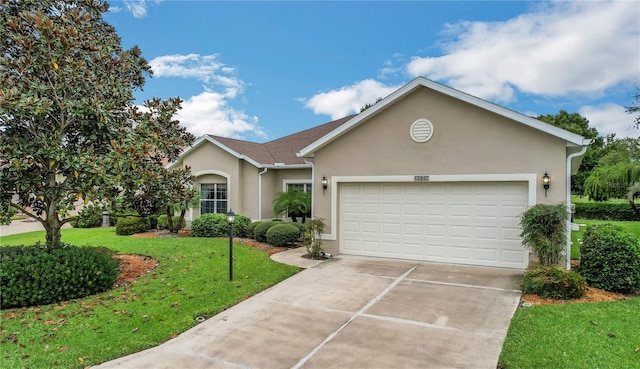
pixel 325 183
pixel 546 183
pixel 231 217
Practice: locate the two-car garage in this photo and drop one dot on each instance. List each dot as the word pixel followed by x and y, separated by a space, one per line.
pixel 473 223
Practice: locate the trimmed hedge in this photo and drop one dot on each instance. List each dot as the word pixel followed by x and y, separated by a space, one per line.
pixel 621 211
pixel 554 283
pixel 131 224
pixel 610 258
pixel 282 234
pixel 241 225
pixel 260 231
pixel 251 229
pixel 210 225
pixel 42 274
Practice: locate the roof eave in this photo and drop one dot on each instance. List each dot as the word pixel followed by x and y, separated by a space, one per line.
pixel 571 138
pixel 202 139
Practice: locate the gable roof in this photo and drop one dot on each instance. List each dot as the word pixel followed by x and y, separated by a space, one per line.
pixel 277 153
pixel 571 138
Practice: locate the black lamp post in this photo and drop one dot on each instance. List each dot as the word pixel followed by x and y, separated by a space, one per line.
pixel 231 216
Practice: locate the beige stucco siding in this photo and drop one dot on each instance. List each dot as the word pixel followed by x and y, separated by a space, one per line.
pixel 273 181
pixel 466 140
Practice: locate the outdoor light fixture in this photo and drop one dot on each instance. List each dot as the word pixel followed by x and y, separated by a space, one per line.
pixel 324 183
pixel 546 182
pixel 231 217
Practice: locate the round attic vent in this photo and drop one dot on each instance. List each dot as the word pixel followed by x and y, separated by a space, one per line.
pixel 421 130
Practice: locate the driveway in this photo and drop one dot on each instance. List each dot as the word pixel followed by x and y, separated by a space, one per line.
pixel 354 312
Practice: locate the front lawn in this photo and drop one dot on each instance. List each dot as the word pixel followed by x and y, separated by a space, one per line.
pixel 587 335
pixel 190 281
pixel 576 236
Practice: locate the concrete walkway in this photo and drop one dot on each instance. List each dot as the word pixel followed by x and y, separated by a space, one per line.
pixel 24 226
pixel 354 312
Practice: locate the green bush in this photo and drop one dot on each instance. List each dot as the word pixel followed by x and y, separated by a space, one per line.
pixel 554 283
pixel 163 222
pixel 240 226
pixel 210 225
pixel 619 211
pixel 42 274
pixel 544 232
pixel 90 216
pixel 610 258
pixel 301 227
pixel 260 231
pixel 131 224
pixel 282 234
pixel 251 229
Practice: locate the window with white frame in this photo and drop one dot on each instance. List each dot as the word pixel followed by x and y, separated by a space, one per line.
pixel 214 198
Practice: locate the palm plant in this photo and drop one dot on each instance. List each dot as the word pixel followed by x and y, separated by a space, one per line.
pixel 292 203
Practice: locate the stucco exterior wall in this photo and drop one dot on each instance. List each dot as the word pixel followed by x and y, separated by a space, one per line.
pixel 466 140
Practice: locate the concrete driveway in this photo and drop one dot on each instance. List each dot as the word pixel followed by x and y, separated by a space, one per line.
pixel 355 312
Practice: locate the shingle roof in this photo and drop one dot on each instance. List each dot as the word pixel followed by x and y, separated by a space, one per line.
pixel 282 150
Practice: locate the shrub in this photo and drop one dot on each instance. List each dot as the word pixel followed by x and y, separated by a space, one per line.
pixel 89 217
pixel 210 225
pixel 131 224
pixel 301 227
pixel 42 274
pixel 260 231
pixel 544 232
pixel 282 234
pixel 251 229
pixel 240 226
pixel 312 237
pixel 163 222
pixel 621 211
pixel 554 283
pixel 610 258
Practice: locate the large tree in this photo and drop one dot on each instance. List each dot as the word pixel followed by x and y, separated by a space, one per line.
pixel 157 139
pixel 578 124
pixel 66 113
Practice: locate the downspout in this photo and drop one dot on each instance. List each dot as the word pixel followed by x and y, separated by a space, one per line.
pixel 568 200
pixel 313 184
pixel 260 193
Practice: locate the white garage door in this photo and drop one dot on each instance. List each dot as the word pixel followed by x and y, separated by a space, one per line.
pixel 472 223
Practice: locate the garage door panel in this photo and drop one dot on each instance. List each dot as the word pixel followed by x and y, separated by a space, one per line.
pixel 470 223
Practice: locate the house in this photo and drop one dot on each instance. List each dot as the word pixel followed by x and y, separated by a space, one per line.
pixel 428 173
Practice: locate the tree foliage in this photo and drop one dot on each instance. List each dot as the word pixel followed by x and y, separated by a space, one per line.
pixel 69 131
pixel 293 203
pixel 574 122
pixel 544 232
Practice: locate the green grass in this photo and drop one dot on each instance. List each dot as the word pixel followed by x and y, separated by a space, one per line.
pixel 576 236
pixel 587 335
pixel 191 280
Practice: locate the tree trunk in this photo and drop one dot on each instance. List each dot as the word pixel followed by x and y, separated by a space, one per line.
pixel 52 228
pixel 182 213
pixel 169 219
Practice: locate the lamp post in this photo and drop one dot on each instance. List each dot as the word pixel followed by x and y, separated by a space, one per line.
pixel 231 216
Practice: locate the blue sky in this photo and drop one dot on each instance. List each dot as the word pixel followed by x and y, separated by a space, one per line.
pixel 262 70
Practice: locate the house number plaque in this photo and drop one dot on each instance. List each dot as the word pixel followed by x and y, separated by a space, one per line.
pixel 421 178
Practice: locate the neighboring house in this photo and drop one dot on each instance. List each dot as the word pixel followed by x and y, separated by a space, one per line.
pixel 428 173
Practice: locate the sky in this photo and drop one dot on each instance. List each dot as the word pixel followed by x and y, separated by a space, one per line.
pixel 262 70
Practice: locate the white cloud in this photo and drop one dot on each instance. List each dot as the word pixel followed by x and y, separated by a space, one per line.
pixel 610 118
pixel 562 48
pixel 138 7
pixel 209 113
pixel 349 99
